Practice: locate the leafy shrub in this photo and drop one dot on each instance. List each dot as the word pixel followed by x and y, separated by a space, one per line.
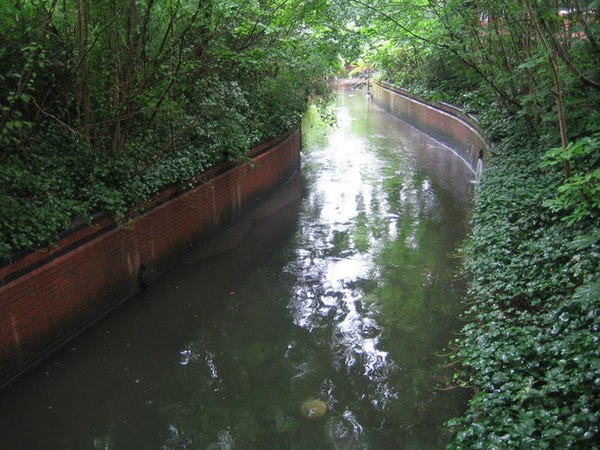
pixel 529 347
pixel 102 107
pixel 61 178
pixel 578 197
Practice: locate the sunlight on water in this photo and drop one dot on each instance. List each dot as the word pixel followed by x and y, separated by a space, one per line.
pixel 340 290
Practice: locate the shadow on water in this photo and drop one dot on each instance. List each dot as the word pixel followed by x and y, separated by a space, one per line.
pixel 340 287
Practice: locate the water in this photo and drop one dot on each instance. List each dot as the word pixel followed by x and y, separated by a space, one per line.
pixel 341 288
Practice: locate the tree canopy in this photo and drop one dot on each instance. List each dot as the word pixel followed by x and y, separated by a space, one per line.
pixel 530 72
pixel 103 103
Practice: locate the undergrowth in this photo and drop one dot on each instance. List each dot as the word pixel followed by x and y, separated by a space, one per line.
pixel 529 346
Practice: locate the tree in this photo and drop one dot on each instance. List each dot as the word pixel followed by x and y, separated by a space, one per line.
pixel 106 102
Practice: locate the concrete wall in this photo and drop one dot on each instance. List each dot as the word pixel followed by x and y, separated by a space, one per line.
pixel 444 122
pixel 50 295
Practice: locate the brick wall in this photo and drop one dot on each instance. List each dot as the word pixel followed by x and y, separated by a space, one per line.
pixel 444 122
pixel 49 295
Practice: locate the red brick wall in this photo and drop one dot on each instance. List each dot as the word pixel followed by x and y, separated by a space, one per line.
pixel 50 295
pixel 445 122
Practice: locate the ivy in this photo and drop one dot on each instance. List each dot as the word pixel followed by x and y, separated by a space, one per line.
pixel 529 345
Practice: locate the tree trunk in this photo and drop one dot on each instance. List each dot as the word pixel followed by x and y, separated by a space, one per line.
pixel 84 101
pixel 553 60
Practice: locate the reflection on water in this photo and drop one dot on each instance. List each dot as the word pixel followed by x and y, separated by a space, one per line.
pixel 339 288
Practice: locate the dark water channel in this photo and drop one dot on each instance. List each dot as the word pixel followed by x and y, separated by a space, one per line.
pixel 340 287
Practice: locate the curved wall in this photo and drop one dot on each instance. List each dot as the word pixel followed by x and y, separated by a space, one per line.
pixel 49 296
pixel 444 122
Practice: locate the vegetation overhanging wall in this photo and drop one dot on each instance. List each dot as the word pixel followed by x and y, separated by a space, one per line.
pixel 50 295
pixel 444 122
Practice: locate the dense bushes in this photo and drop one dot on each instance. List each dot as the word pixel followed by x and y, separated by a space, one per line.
pixel 58 176
pixel 102 105
pixel 530 74
pixel 530 344
pixel 105 103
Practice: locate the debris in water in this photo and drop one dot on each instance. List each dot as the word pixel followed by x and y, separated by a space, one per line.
pixel 313 409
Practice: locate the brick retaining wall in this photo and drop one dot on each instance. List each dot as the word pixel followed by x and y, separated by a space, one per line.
pixel 50 295
pixel 444 122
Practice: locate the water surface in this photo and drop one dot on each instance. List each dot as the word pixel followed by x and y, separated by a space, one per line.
pixel 340 287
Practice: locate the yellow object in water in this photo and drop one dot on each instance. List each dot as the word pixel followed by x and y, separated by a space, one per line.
pixel 313 409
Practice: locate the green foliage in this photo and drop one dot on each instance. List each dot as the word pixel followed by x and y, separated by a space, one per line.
pixel 529 346
pixel 492 55
pixel 579 196
pixel 104 104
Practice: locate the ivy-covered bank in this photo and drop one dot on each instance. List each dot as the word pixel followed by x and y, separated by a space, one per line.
pixel 529 72
pixel 529 347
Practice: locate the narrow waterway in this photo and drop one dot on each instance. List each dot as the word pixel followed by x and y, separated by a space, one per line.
pixel 341 287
